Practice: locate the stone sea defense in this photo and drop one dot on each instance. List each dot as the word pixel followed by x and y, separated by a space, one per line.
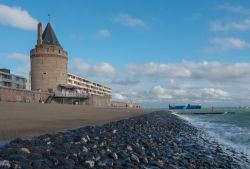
pixel 157 141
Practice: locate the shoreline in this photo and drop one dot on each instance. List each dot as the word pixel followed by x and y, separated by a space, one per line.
pixel 213 135
pixel 159 139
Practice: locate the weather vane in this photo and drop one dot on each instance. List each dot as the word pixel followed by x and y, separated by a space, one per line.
pixel 49 17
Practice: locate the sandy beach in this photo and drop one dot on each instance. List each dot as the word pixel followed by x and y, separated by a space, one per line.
pixel 26 119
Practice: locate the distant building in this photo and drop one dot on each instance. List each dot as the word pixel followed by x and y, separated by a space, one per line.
pixel 124 104
pixel 84 85
pixel 134 105
pixel 119 104
pixel 12 81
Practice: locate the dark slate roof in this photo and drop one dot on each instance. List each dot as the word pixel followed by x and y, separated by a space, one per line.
pixel 49 36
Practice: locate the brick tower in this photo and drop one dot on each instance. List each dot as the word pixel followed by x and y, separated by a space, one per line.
pixel 48 61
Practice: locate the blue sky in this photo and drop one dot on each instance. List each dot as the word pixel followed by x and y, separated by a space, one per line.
pixel 179 51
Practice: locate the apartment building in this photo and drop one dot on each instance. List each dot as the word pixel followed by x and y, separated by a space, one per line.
pixel 12 81
pixel 86 86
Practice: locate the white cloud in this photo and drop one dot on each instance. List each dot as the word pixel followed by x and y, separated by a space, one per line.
pixel 103 33
pixel 22 70
pixel 18 57
pixel 218 45
pixel 216 93
pixel 206 83
pixel 161 93
pixel 160 70
pixel 168 94
pixel 83 68
pixel 230 43
pixel 239 26
pixel 210 71
pixel 20 63
pixel 126 81
pixel 118 96
pixel 17 17
pixel 128 20
pixel 186 93
pixel 104 69
pixel 234 9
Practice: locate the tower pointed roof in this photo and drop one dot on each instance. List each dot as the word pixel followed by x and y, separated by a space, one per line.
pixel 49 36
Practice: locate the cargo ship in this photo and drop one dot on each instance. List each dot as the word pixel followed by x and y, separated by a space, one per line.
pixel 176 107
pixel 183 107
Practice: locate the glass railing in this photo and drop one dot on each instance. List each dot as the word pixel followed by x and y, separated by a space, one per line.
pixel 60 94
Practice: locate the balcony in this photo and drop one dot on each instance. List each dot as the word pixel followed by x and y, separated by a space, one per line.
pixel 72 95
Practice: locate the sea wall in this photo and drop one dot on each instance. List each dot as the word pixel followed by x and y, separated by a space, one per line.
pixel 123 104
pixel 18 95
pixel 99 100
pixel 27 96
pixel 119 104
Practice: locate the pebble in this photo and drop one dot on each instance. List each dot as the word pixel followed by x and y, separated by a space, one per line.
pixel 129 148
pixel 90 163
pixel 5 164
pixel 115 156
pixel 135 158
pixel 84 140
pixel 145 160
pixel 85 149
pixel 25 150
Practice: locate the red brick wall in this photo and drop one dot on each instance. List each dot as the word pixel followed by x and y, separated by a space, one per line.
pixel 17 95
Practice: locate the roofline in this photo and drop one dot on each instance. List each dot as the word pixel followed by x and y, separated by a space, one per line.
pixel 13 75
pixel 89 80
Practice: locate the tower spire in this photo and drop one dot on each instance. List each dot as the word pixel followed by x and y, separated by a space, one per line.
pixel 49 36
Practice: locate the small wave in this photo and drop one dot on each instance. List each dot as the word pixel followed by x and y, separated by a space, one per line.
pixel 227 135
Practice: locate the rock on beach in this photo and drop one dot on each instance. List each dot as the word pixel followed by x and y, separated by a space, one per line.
pixel 157 140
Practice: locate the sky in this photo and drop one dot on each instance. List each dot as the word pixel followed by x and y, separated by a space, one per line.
pixel 155 52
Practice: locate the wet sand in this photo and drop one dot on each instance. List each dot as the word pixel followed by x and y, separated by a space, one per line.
pixel 28 119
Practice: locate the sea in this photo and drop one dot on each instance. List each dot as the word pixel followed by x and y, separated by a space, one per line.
pixel 231 127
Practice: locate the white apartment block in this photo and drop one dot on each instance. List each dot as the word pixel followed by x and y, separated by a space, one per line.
pixel 87 86
pixel 12 81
